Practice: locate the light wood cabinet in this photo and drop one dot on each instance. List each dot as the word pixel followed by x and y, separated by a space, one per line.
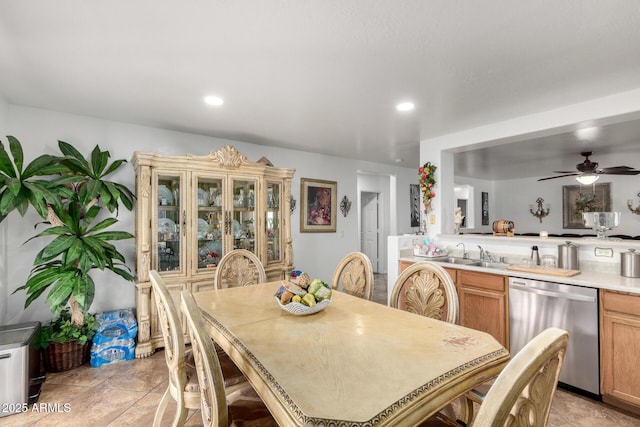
pixel 192 210
pixel 484 303
pixel 619 349
pixel 483 300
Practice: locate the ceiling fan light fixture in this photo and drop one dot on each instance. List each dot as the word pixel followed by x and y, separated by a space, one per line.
pixel 587 179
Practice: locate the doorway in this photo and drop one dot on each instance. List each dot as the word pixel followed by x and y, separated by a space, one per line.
pixel 370 227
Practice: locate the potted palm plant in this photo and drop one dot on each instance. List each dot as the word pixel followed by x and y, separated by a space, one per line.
pixel 72 195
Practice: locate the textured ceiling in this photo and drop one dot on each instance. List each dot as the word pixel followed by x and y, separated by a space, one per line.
pixel 320 76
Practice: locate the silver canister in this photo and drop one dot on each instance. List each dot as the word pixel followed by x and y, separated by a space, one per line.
pixel 630 263
pixel 568 256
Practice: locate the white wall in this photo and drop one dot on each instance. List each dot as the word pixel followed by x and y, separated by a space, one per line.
pixel 515 196
pixel 4 281
pixel 39 130
pixel 440 151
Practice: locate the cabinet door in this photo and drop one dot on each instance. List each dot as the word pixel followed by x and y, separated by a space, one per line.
pixel 168 254
pixel 207 228
pixel 620 342
pixel 243 214
pixel 484 304
pixel 273 222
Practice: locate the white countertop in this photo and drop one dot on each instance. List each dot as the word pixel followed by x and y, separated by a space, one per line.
pixel 592 279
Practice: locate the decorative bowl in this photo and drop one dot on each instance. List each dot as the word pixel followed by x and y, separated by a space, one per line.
pixel 300 309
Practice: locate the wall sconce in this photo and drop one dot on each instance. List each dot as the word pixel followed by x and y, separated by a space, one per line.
pixel 292 204
pixel 630 204
pixel 345 206
pixel 540 212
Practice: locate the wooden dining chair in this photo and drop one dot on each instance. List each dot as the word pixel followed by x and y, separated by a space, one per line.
pixel 239 267
pixel 240 408
pixel 354 275
pixel 183 386
pixel 523 392
pixel 425 288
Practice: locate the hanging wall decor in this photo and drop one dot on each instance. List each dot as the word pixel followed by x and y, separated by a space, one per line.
pixel 318 206
pixel 485 208
pixel 345 206
pixel 577 199
pixel 414 204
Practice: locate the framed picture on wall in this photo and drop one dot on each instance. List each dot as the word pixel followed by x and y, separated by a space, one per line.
pixel 414 204
pixel 577 199
pixel 485 208
pixel 319 205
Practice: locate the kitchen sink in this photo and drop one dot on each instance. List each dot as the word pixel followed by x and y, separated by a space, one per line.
pixel 491 264
pixel 468 261
pixel 455 260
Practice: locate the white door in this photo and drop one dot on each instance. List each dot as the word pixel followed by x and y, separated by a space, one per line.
pixel 369 227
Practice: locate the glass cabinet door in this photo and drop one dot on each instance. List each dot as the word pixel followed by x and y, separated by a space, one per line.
pixel 273 222
pixel 243 215
pixel 168 254
pixel 210 223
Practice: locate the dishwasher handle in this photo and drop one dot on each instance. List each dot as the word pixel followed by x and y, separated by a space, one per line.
pixel 538 291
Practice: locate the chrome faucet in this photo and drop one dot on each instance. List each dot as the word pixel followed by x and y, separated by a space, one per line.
pixel 485 255
pixel 465 255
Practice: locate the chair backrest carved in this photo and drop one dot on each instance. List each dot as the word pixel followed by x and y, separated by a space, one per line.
pixel 213 404
pixel 425 288
pixel 354 275
pixel 523 392
pixel 239 267
pixel 169 321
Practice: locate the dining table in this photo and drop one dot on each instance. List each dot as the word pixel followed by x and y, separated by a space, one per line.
pixel 355 363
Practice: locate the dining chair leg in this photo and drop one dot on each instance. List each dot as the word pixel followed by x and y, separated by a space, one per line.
pixel 181 411
pixel 162 406
pixel 466 410
pixel 181 414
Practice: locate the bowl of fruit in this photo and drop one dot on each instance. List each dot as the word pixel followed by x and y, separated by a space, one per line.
pixel 304 296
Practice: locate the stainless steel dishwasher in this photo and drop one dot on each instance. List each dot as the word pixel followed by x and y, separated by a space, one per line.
pixel 535 305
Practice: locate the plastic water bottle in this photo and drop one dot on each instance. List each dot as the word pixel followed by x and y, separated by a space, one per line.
pixel 114 340
pixel 112 352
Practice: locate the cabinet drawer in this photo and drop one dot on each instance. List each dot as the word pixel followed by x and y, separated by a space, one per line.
pixel 404 265
pixel 482 280
pixel 621 302
pixel 453 273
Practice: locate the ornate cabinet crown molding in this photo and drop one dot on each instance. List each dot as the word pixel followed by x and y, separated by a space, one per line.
pixel 228 156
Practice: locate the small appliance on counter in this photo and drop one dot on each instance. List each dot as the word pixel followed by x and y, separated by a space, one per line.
pixel 20 368
pixel 630 263
pixel 568 256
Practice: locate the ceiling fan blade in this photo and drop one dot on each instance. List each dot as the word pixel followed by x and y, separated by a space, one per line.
pixel 559 176
pixel 614 169
pixel 621 172
pixel 564 171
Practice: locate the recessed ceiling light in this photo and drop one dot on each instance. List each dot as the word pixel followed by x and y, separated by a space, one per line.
pixel 588 134
pixel 405 106
pixel 213 100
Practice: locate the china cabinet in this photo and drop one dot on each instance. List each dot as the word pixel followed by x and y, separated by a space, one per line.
pixel 191 210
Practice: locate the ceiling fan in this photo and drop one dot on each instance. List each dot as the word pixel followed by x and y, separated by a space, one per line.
pixel 588 172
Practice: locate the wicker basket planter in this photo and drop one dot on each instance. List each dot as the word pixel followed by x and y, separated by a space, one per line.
pixel 60 357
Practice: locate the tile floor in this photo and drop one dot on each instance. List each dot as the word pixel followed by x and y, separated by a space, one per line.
pixel 127 394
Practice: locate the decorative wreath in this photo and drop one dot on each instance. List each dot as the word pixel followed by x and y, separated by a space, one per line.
pixel 427 181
